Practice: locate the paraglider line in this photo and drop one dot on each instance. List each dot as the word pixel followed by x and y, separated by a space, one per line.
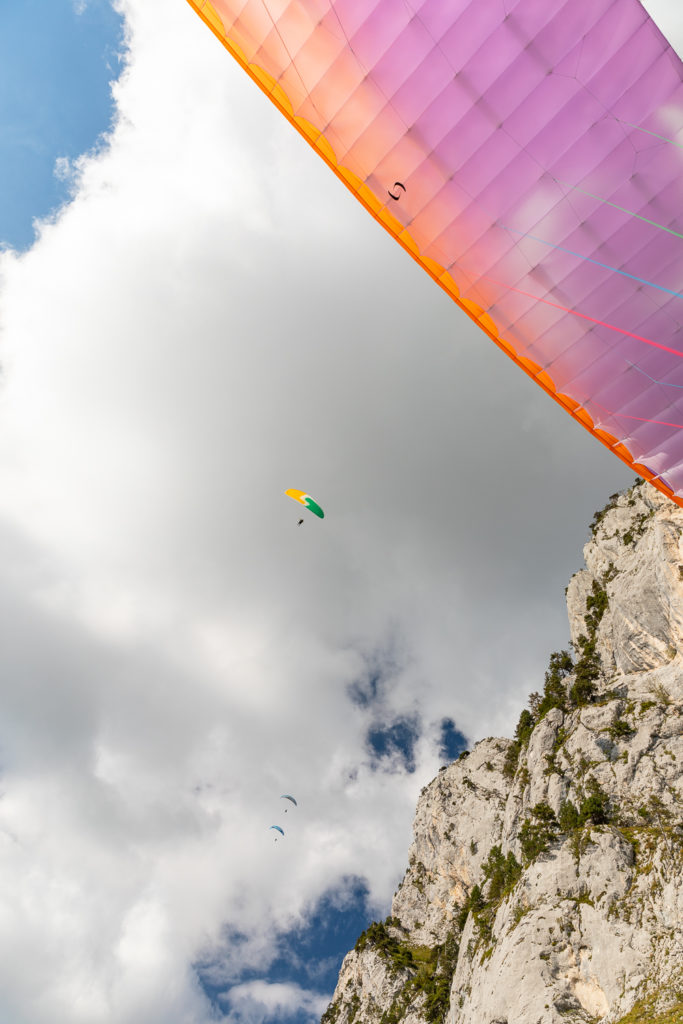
pixel 589 259
pixel 639 419
pixel 662 138
pixel 643 419
pixel 622 209
pixel 663 383
pixel 584 316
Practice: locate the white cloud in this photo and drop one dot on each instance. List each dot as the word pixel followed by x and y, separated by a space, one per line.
pixel 255 1002
pixel 210 321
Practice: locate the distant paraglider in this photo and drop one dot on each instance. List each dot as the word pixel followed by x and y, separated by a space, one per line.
pixel 307 501
pixel 278 828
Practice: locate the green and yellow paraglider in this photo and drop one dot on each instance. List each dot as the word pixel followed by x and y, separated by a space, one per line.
pixel 307 501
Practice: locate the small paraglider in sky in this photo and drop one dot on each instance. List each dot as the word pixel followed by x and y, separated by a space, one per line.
pixel 307 501
pixel 277 829
pixel 286 796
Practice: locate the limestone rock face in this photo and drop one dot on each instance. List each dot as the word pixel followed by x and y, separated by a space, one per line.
pixel 459 818
pixel 545 879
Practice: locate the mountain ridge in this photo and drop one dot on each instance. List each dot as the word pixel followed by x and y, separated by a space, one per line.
pixel 544 882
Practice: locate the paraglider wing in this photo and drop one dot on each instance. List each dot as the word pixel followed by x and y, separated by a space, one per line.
pixel 530 157
pixel 306 500
pixel 277 829
pixel 286 796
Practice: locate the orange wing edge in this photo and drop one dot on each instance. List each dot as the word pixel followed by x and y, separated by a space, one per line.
pixel 439 274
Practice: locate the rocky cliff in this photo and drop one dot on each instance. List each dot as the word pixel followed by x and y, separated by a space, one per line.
pixel 545 880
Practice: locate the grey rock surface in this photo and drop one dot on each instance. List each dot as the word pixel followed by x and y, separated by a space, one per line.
pixel 545 879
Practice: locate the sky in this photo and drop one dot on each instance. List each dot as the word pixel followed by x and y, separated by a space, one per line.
pixel 195 316
pixel 58 59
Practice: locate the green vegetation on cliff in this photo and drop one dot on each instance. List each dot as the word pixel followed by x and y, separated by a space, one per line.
pixel 429 969
pixel 645 1012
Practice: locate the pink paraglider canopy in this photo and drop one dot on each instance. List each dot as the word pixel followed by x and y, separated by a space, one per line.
pixel 529 154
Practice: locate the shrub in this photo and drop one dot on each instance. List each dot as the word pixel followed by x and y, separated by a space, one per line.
pixel 474 902
pixel 586 673
pixel 511 759
pixel 620 728
pixel 569 816
pixel 554 689
pixel 595 808
pixel 601 513
pixel 396 953
pixel 661 694
pixel 525 727
pixel 537 832
pixel 587 668
pixel 436 980
pixel 597 603
pixel 501 873
pixel 331 1014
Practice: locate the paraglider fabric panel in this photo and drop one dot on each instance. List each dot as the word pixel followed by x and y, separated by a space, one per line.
pixel 530 156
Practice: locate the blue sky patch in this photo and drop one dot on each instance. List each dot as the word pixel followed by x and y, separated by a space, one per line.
pixel 395 740
pixel 365 692
pixel 55 101
pixel 309 955
pixel 452 740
